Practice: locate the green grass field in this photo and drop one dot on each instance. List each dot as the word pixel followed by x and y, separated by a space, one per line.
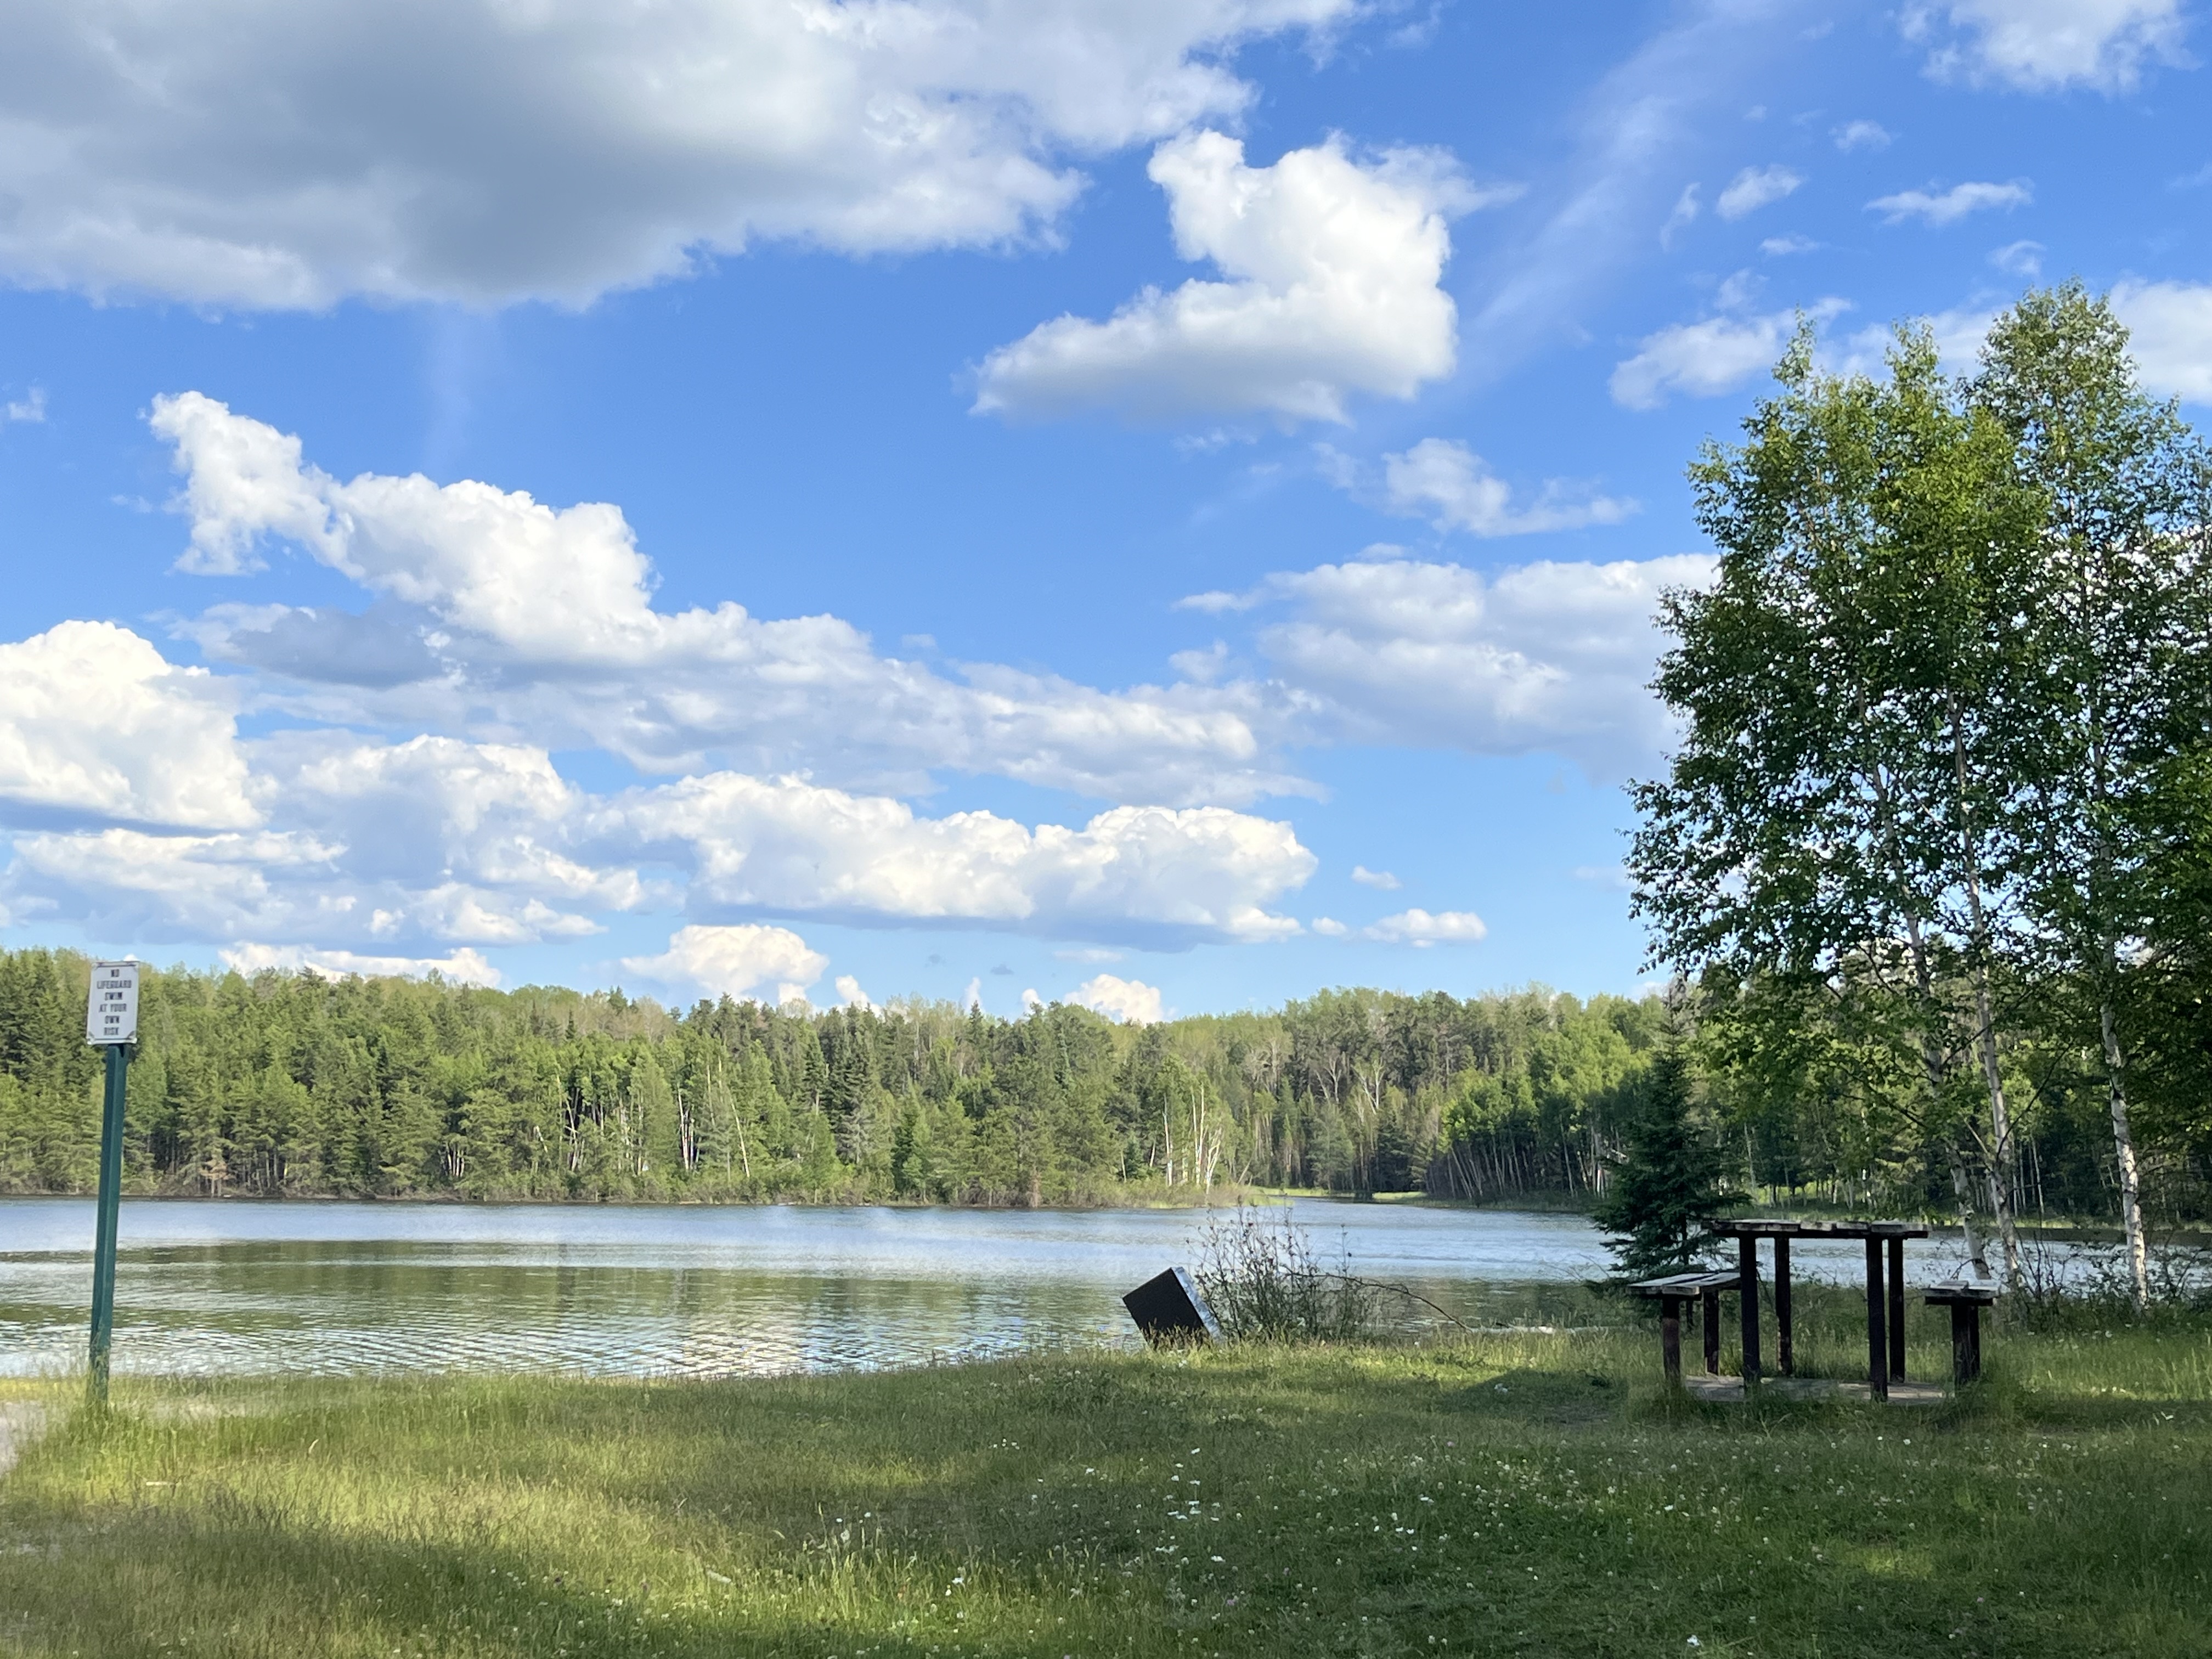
pixel 1525 1493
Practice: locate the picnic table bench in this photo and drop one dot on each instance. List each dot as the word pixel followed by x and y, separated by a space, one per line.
pixel 1672 1291
pixel 1966 1300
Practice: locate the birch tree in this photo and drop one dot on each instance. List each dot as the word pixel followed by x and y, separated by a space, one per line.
pixel 2118 613
pixel 1828 816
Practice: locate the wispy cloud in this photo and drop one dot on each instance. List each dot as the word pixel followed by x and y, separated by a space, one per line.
pixel 1685 214
pixel 1755 188
pixel 1421 929
pixel 1453 488
pixel 1705 359
pixel 1947 207
pixel 1625 175
pixel 2044 44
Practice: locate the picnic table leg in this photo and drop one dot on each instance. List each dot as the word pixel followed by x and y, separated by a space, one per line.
pixel 1786 1357
pixel 1747 1294
pixel 1670 1339
pixel 1966 1342
pixel 1897 1310
pixel 1877 1325
pixel 1708 1319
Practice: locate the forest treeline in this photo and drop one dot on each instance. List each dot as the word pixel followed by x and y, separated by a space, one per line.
pixel 292 1084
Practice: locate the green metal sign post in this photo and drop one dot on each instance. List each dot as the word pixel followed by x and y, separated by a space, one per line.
pixel 110 1022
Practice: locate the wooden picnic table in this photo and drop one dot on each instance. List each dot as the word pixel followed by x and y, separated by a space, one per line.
pixel 1885 1290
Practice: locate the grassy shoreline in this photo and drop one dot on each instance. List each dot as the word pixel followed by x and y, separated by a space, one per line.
pixel 1523 1492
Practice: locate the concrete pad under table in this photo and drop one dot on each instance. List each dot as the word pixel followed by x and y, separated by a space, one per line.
pixel 1728 1390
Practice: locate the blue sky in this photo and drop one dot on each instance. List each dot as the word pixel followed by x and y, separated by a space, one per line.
pixel 1153 504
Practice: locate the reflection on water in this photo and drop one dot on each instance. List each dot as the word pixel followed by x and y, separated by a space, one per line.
pixel 326 1287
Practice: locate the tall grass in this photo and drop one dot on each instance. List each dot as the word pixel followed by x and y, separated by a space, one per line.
pixel 1522 1492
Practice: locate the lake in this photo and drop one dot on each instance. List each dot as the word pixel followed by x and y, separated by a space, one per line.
pixel 244 1286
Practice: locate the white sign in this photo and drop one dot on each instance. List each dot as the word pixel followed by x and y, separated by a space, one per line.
pixel 111 1015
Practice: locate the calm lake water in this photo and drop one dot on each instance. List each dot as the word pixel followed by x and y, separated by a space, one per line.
pixel 241 1286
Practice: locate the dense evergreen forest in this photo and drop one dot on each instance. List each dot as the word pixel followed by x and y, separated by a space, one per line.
pixel 292 1084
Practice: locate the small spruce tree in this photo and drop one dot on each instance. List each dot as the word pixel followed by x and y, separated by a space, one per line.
pixel 1670 1186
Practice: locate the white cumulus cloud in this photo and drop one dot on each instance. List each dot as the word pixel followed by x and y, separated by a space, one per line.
pixel 1129 1001
pixel 1861 135
pixel 262 153
pixel 1333 269
pixel 468 967
pixel 1381 879
pixel 1754 188
pixel 94 722
pixel 785 845
pixel 435 828
pixel 131 883
pixel 367 846
pixel 2170 333
pixel 1452 487
pixel 530 619
pixel 1547 656
pixel 735 962
pixel 1420 929
pixel 2044 45
pixel 1947 207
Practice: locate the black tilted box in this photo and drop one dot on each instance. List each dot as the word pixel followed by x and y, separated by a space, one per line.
pixel 1169 1309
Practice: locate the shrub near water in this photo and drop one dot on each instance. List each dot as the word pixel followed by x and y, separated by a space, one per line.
pixel 1263 1282
pixel 1521 1492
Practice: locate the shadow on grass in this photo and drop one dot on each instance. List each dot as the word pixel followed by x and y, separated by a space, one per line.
pixel 1515 1492
pixel 1524 1394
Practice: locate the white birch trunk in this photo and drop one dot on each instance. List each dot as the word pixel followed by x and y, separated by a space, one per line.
pixel 2124 1148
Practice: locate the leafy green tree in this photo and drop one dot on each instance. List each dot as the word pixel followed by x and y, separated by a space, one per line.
pixel 1829 824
